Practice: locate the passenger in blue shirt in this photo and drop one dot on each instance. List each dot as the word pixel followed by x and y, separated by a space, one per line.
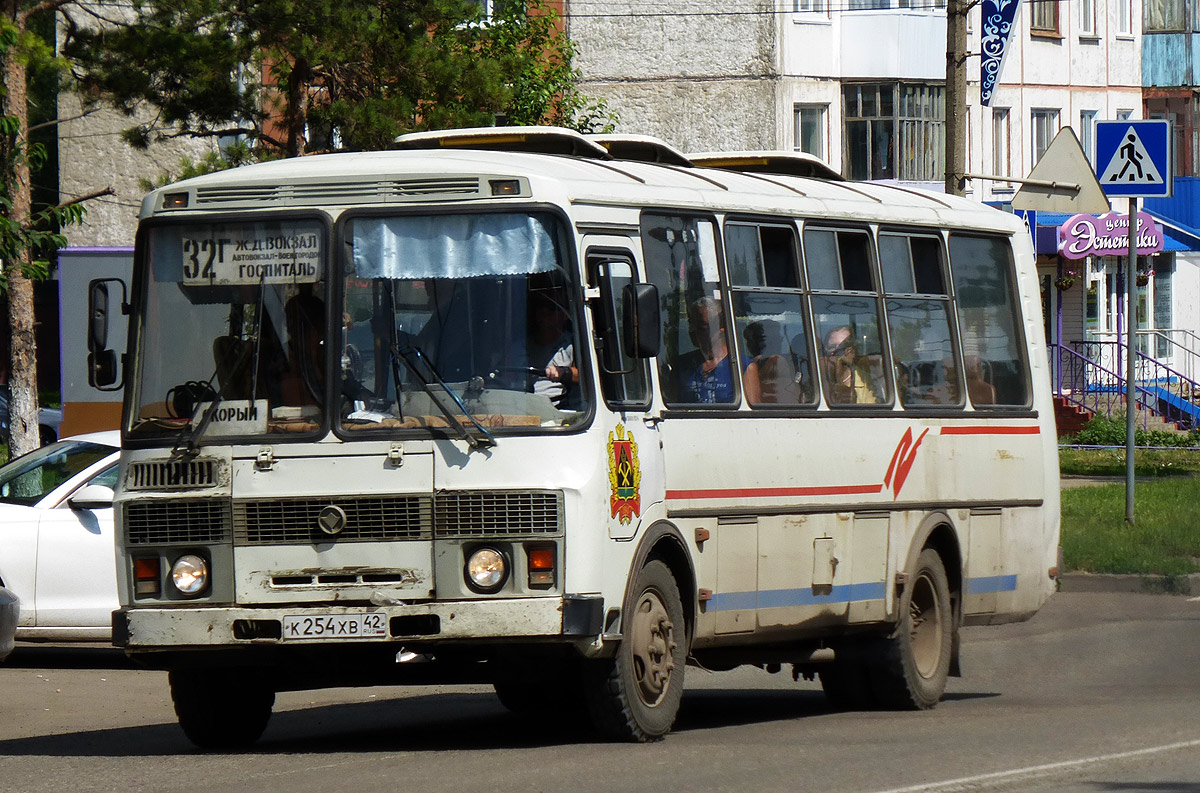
pixel 711 379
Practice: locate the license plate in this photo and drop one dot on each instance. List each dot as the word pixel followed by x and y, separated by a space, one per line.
pixel 334 626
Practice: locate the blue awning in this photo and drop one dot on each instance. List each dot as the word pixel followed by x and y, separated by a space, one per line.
pixel 1178 236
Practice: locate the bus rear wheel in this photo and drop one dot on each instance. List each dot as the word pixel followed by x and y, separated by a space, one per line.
pixel 221 709
pixel 913 664
pixel 635 695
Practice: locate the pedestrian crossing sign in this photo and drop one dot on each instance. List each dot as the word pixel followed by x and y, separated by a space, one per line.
pixel 1133 158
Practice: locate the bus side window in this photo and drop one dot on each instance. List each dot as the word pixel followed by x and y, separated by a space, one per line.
pixel 771 324
pixel 918 311
pixel 853 360
pixel 994 363
pixel 695 358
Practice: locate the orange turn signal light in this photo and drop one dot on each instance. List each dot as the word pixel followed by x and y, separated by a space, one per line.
pixel 145 576
pixel 541 566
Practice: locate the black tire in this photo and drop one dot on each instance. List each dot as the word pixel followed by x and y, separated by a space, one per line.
pixel 223 710
pixel 635 695
pixel 910 670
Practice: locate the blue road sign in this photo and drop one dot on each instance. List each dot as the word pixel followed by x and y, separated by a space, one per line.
pixel 1133 158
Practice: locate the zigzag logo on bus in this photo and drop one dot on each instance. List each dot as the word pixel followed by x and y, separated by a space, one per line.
pixel 902 461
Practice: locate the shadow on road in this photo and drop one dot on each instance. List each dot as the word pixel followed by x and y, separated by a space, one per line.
pixel 29 655
pixel 431 723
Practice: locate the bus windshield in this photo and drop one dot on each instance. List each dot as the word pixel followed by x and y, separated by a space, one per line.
pixel 469 318
pixel 233 337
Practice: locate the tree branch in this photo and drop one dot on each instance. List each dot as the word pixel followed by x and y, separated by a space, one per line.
pixel 57 121
pixel 45 5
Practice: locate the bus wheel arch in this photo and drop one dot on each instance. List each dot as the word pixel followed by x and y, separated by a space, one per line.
pixel 634 695
pixel 663 541
pixel 938 533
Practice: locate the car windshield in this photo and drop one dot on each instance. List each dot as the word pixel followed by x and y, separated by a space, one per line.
pixel 232 343
pixel 469 318
pixel 31 477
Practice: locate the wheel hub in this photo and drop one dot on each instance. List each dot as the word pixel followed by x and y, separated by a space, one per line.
pixel 653 648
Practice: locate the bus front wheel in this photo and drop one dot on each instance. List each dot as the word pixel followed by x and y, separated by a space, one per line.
pixel 221 709
pixel 635 695
pixel 914 662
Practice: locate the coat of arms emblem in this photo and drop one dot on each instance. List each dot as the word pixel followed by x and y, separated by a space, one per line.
pixel 624 475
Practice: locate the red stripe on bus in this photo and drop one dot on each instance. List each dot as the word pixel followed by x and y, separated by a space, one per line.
pixel 991 430
pixel 774 492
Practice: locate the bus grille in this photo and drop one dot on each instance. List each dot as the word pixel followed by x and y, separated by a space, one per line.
pixel 177 521
pixel 504 512
pixel 294 521
pixel 449 515
pixel 169 475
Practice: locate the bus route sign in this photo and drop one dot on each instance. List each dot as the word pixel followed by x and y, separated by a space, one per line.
pixel 1133 158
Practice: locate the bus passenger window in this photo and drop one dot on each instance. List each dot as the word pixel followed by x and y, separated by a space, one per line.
pixel 922 345
pixel 681 261
pixel 995 367
pixel 779 369
pixel 852 359
pixel 838 260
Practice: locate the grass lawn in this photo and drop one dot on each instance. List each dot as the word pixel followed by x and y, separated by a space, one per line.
pixel 1146 462
pixel 1164 539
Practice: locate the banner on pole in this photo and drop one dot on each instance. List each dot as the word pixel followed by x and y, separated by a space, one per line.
pixel 999 19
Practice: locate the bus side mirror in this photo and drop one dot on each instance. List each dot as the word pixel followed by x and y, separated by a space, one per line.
pixel 102 362
pixel 640 320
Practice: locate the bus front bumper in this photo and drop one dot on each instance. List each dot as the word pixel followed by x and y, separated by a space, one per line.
pixel 177 627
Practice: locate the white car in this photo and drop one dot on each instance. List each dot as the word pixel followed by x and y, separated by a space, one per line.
pixel 57 552
pixel 10 610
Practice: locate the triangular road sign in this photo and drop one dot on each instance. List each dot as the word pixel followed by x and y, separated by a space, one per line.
pixel 1131 163
pixel 1069 184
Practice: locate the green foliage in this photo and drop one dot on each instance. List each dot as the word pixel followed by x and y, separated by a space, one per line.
pixel 1162 541
pixel 367 69
pixel 1106 431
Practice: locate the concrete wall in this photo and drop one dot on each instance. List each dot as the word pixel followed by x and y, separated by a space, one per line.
pixel 685 72
pixel 92 157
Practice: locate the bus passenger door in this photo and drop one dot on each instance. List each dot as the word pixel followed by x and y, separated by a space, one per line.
pixel 634 451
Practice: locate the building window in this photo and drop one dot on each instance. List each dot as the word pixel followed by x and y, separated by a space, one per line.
pixel 1124 18
pixel 1087 133
pixel 1160 15
pixel 1044 17
pixel 1001 143
pixel 808 6
pixel 1087 17
pixel 1124 115
pixel 1045 127
pixel 810 129
pixel 894 131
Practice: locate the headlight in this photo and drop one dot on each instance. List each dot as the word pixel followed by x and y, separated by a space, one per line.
pixel 487 570
pixel 189 574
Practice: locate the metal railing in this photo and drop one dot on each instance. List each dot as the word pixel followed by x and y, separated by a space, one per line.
pixel 1180 346
pixel 1090 385
pixel 1091 376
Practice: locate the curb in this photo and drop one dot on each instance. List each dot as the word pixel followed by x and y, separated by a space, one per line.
pixel 1153 584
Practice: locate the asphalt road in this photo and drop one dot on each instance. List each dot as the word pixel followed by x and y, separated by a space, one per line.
pixel 1099 692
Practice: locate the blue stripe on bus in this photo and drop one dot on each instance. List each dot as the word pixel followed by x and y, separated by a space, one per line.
pixel 776 598
pixel 991 584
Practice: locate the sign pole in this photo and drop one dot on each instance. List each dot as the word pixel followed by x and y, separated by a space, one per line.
pixel 1130 358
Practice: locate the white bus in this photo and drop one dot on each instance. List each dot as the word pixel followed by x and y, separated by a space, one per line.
pixel 567 415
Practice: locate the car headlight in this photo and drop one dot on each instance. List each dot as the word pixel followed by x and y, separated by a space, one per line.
pixel 487 570
pixel 189 575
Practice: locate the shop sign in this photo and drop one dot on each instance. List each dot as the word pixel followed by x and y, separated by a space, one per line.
pixel 1108 235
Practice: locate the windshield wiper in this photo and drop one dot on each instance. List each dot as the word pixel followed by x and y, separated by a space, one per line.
pixel 420 367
